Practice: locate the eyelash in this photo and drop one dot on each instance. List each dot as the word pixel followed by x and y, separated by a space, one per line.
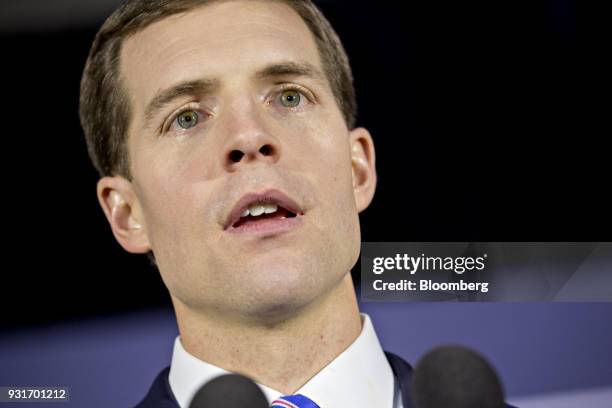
pixel 193 107
pixel 302 91
pixel 190 107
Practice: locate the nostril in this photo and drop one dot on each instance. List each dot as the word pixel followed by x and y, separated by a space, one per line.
pixel 266 150
pixel 236 155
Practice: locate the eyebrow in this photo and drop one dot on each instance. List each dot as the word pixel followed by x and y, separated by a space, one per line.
pixel 203 86
pixel 187 88
pixel 290 68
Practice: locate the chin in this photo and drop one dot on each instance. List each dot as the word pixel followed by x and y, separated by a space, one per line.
pixel 277 291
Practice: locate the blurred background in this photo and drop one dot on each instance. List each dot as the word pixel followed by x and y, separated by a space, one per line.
pixel 479 115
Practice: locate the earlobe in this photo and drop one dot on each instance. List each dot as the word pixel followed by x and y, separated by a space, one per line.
pixel 122 210
pixel 363 163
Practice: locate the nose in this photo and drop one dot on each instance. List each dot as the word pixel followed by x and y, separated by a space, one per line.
pixel 256 150
pixel 250 142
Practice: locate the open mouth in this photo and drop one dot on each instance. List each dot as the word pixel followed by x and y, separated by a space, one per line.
pixel 259 212
pixel 269 213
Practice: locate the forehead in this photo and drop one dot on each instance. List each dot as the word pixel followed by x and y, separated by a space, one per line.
pixel 222 40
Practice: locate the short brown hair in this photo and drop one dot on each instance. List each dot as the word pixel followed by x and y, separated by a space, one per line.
pixel 105 105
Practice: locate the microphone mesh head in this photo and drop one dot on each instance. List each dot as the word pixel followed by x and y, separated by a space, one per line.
pixel 229 391
pixel 457 377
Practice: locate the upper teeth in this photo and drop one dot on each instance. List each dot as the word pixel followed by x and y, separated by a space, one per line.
pixel 259 208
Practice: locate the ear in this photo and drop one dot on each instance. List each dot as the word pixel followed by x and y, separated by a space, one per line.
pixel 123 212
pixel 363 160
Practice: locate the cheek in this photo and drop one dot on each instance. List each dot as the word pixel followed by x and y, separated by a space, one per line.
pixel 168 173
pixel 171 212
pixel 338 219
pixel 335 173
pixel 169 204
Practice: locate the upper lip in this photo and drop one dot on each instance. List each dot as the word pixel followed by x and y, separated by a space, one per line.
pixel 269 196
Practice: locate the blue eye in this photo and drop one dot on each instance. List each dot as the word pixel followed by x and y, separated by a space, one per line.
pixel 290 98
pixel 187 119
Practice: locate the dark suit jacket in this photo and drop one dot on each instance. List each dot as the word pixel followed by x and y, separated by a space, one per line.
pixel 160 395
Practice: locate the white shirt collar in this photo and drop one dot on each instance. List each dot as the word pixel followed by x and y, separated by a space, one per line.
pixel 359 377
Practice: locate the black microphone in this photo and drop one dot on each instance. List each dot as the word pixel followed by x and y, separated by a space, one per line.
pixel 457 377
pixel 229 391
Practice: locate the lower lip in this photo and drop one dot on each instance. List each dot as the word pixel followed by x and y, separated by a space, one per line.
pixel 268 227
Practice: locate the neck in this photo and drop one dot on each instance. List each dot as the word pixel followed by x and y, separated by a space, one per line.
pixel 282 356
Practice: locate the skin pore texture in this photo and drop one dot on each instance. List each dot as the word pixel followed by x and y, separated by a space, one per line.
pixel 277 307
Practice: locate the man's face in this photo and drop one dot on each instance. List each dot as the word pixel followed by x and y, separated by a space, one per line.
pixel 257 123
